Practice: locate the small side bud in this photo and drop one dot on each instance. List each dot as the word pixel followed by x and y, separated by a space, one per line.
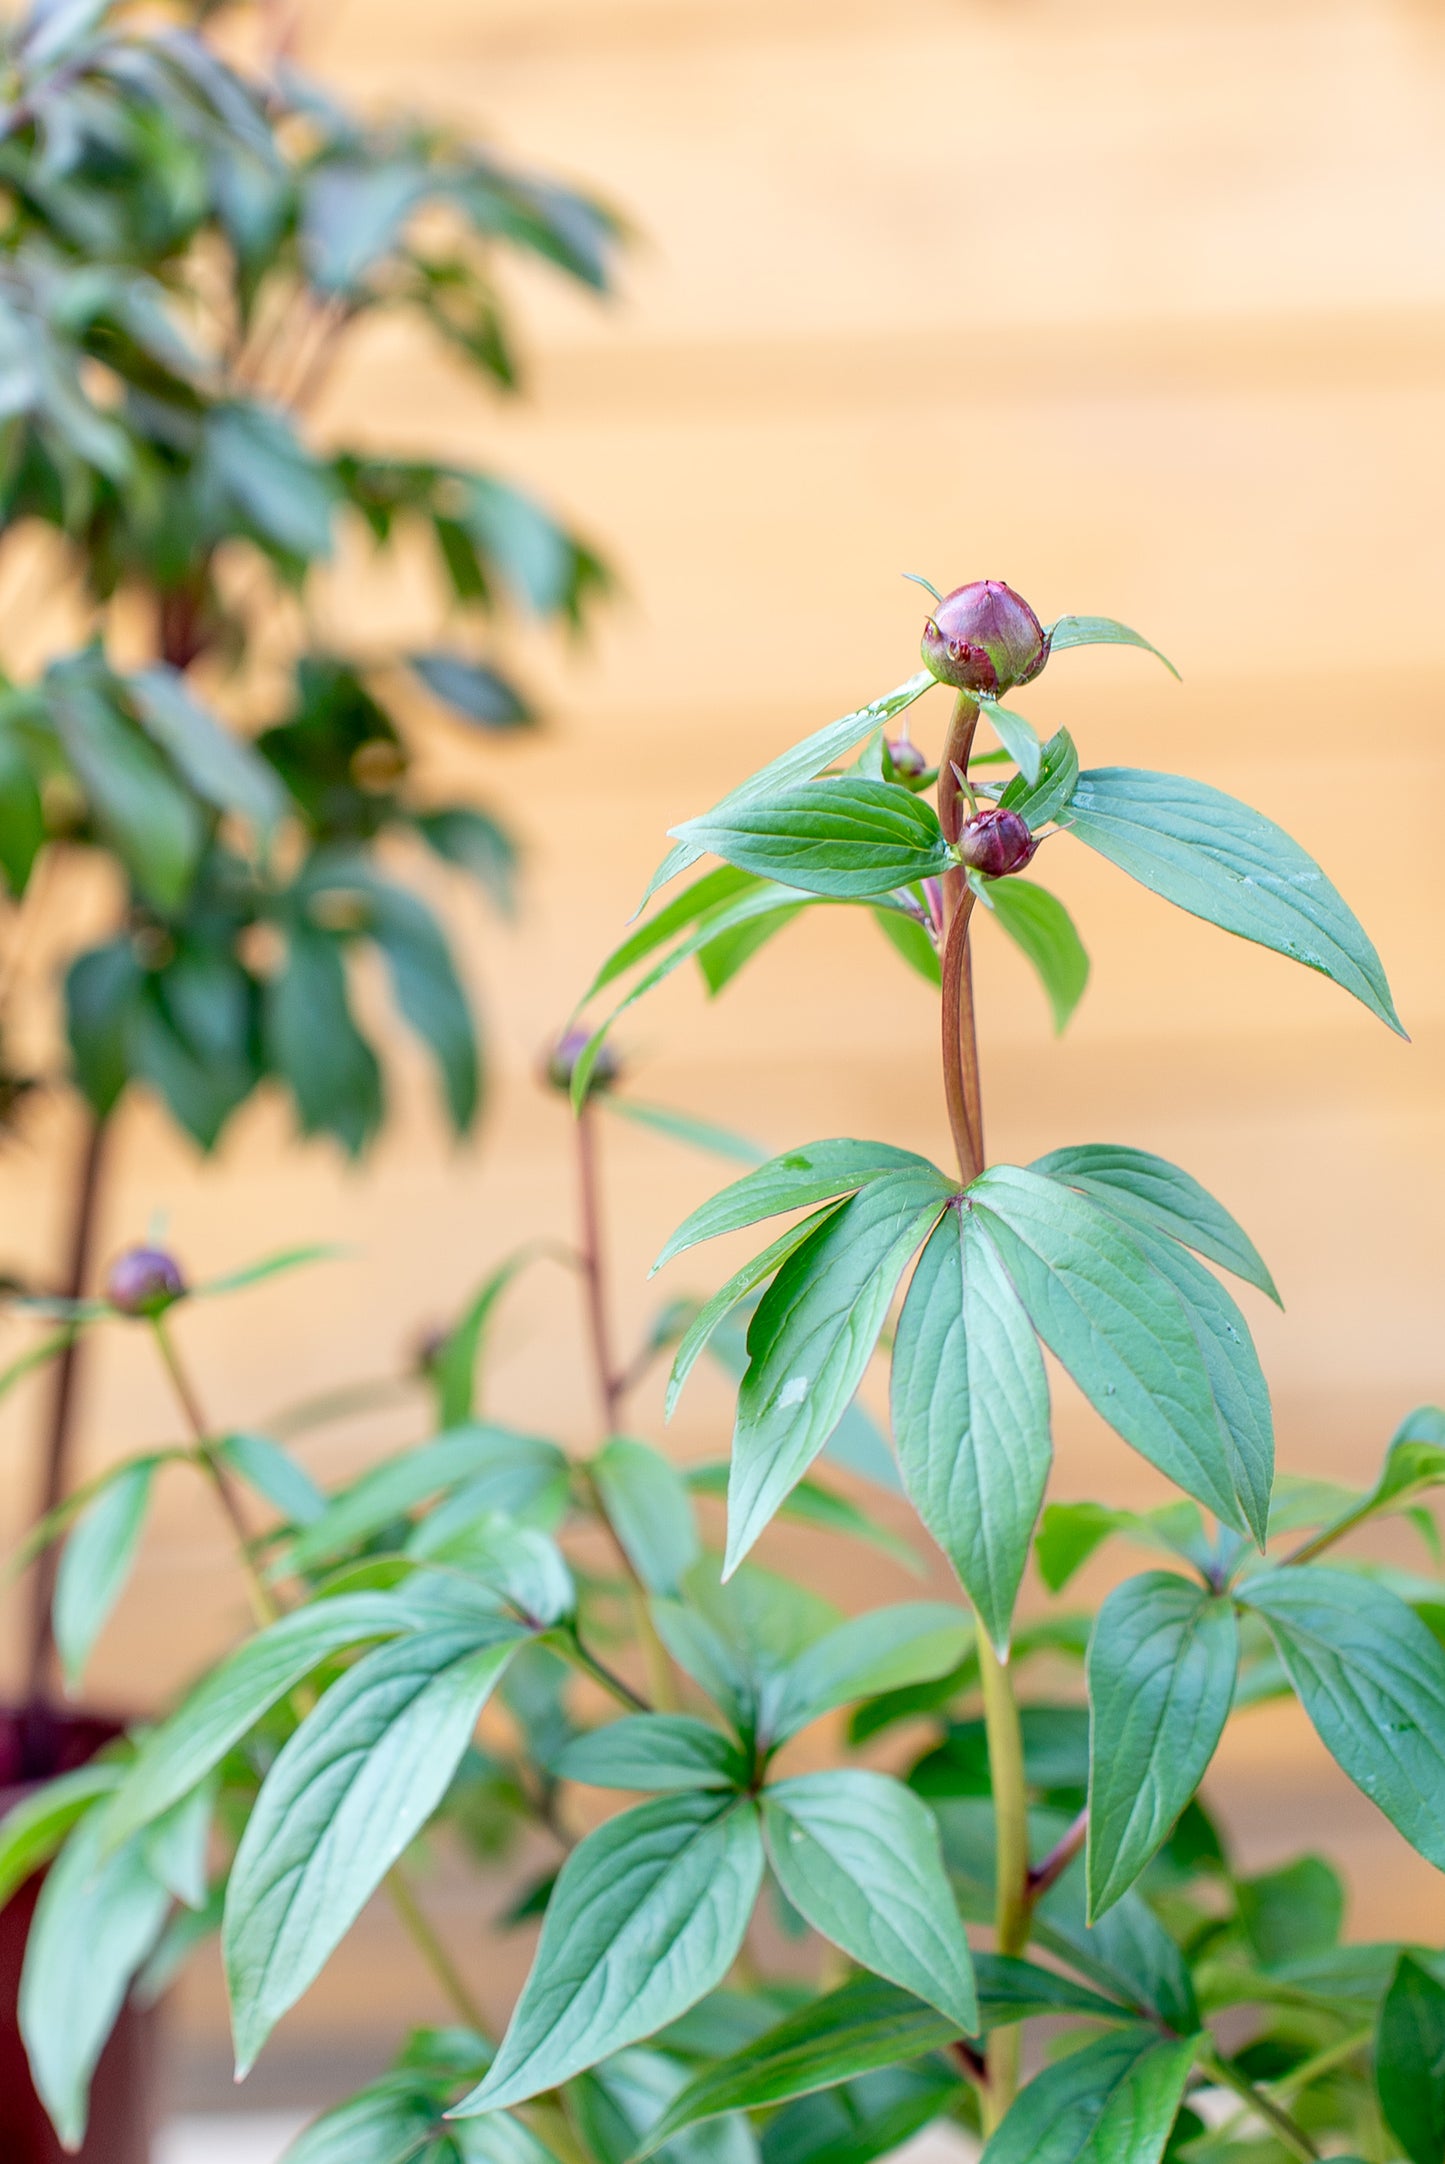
pixel 996 842
pixel 907 761
pixel 144 1281
pixel 562 1063
pixel 984 638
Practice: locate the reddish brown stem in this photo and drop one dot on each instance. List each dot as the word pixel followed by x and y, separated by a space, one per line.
pixel 609 1386
pixel 60 1437
pixel 1060 1856
pixel 961 1080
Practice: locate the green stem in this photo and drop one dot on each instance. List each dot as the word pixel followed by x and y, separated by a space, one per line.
pixel 600 1673
pixel 263 1600
pixel 1012 1904
pixel 1324 2062
pixel 423 1936
pixel 1292 2136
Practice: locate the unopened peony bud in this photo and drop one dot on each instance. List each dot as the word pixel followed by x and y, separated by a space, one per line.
pixel 984 637
pixel 144 1281
pixel 562 1062
pixel 996 842
pixel 907 760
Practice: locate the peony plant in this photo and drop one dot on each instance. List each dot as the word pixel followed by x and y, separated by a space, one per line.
pixel 1001 1902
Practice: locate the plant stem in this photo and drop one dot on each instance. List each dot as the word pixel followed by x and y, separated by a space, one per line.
pixel 263 1600
pixel 1293 2137
pixel 601 1673
pixel 427 1943
pixel 961 1080
pixel 608 1389
pixel 61 1431
pixel 1060 1856
pixel 1324 2062
pixel 1012 1904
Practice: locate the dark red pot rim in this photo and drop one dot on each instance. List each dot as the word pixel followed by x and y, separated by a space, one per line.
pixel 38 1742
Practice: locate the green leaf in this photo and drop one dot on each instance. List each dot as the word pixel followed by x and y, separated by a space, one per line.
pixel 799 764
pixel 177 1845
pixel 97 1919
pixel 313 1043
pixel 154 827
pixel 1128 1952
pixel 857 1854
pixel 653 1751
pixel 1018 737
pixel 32 1830
pixel 1119 1328
pixel 728 952
pixel 222 769
pixel 1112 2102
pixel 102 998
pixel 346 1797
pixel 864 2025
pixel 519 1466
pixel 269 1266
pixel 971 1416
pixel 478 693
pixel 884 1650
pixel 262 474
pixel 1161 1671
pixel 97 1561
pixel 1070 1532
pixel 274 1473
pixel 714 890
pixel 518 1564
pixel 472 840
pixel 617 2104
pixel 1100 631
pixel 1236 1379
pixel 742 1282
pixel 812 1504
pixel 388 2123
pixel 1039 801
pixel 427 990
pixel 22 815
pixel 841 837
pixel 650 1511
pixel 1371 1677
pixel 1013 1990
pixel 1410 2061
pixel 813 1336
pixel 175 1757
pixel 1293 1914
pixel 913 942
pixel 863 2119
pixel 680 1874
pixel 1139 1187
pixel 1414 1463
pixel 797 1180
pixel 1040 926
pixel 455 1368
pixel 682 1127
pixel 1216 858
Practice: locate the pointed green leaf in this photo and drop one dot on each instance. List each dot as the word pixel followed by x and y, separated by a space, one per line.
pixel 842 837
pixel 650 1511
pixel 1019 738
pixel 33 1829
pixel 1112 2102
pixel 223 770
pixel 798 764
pixel 711 891
pixel 173 1758
pixel 1410 2061
pixel 1414 1463
pixel 647 1916
pixel 742 1282
pixel 864 2025
pixel 1161 1670
pixel 1040 926
pixel 1100 631
pixel 346 1797
pixel 274 1473
pixel 884 1650
pixel 971 1416
pixel 797 1180
pixel 97 1560
pixel 1039 801
pixel 1216 858
pixel 653 1751
pixel 456 1364
pixel 813 1336
pixel 1013 1990
pixel 1136 1185
pixel 1371 1677
pixel 1119 1328
pixel 97 1919
pixel 682 1127
pixel 522 1463
pixel 857 1854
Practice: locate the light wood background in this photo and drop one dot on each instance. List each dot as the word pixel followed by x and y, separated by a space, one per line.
pixel 1139 304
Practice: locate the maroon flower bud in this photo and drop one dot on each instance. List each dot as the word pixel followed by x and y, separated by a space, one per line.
pixel 562 1062
pixel 907 760
pixel 144 1281
pixel 984 637
pixel 996 842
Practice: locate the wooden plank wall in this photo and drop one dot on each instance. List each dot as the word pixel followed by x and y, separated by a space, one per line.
pixel 1137 303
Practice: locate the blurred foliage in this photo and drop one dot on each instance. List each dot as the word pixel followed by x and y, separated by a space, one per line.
pixel 188 243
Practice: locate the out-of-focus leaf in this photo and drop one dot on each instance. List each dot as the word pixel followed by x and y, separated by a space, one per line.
pixel 97 1561
pixel 649 1510
pixel 470 688
pixel 221 768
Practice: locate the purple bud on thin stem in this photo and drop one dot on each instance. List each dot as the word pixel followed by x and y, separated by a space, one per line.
pixel 144 1281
